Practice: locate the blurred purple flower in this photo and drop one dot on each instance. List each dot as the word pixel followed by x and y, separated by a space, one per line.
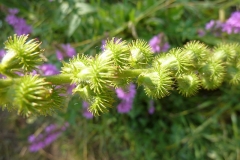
pixel 159 44
pixel 70 88
pixel 19 24
pixel 22 27
pixel 12 19
pixel 232 25
pixel 126 98
pixel 86 113
pixel 103 45
pixel 52 132
pixel 2 53
pixel 49 69
pixel 31 138
pixel 67 51
pixel 210 25
pixel 201 32
pixel 151 108
pixel 215 27
pixel 50 128
pixel 124 106
pixel 13 11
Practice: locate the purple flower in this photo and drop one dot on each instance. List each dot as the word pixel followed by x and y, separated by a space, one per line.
pixel 12 19
pixel 86 113
pixel 151 108
pixel 48 69
pixel 130 94
pixel 22 28
pixel 159 44
pixel 210 25
pixel 214 27
pixel 52 132
pixel 201 32
pixel 124 106
pixel 70 88
pixel 103 44
pixel 19 24
pixel 13 10
pixel 50 128
pixel 67 51
pixel 126 98
pixel 2 53
pixel 31 138
pixel 232 25
pixel 52 137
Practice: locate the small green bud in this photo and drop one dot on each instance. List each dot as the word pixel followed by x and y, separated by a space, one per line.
pixel 116 52
pixel 20 54
pixel 157 82
pixel 84 91
pixel 233 74
pixel 227 52
pixel 188 84
pixel 101 102
pixel 102 74
pixel 75 67
pixel 141 54
pixel 197 49
pixel 33 95
pixel 212 74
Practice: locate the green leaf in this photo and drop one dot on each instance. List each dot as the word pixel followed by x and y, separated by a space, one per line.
pixel 74 23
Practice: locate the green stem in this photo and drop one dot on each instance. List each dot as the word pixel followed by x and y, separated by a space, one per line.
pixel 5 82
pixel 58 79
pixel 65 78
pixel 133 73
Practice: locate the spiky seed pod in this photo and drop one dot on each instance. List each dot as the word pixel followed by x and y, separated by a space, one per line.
pixel 233 74
pixel 188 84
pixel 84 91
pixel 75 66
pixel 101 102
pixel 226 52
pixel 199 50
pixel 21 54
pixel 97 72
pixel 121 82
pixel 157 82
pixel 117 52
pixel 141 54
pixel 32 95
pixel 101 74
pixel 212 74
pixel 176 60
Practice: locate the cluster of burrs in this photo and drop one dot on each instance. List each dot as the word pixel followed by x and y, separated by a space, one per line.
pixel 186 69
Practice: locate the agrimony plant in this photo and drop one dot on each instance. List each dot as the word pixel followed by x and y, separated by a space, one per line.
pixel 186 69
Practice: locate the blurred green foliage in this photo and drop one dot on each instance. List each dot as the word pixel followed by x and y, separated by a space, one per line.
pixel 205 126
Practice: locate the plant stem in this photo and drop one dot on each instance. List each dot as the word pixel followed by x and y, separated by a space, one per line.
pixel 58 79
pixel 65 78
pixel 131 73
pixel 5 82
